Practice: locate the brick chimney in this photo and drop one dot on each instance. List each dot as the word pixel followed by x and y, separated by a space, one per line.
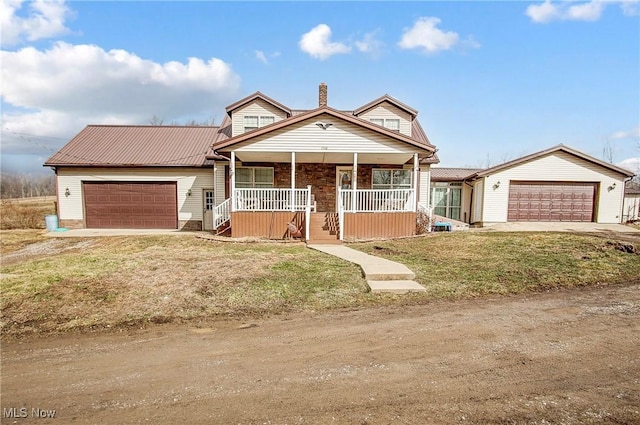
pixel 322 95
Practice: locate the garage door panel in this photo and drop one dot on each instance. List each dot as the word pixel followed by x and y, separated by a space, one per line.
pixel 551 201
pixel 151 205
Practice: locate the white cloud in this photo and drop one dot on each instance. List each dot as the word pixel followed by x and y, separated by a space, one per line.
pixel 631 134
pixel 57 92
pixel 425 35
pixel 542 13
pixel 45 19
pixel 370 44
pixel 631 164
pixel 261 56
pixel 317 43
pixel 590 11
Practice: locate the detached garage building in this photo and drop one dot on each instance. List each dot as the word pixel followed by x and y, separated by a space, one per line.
pixel 557 184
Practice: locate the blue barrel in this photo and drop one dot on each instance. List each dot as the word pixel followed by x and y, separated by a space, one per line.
pixel 51 222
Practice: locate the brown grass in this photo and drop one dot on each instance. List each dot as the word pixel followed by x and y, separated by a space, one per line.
pixel 25 213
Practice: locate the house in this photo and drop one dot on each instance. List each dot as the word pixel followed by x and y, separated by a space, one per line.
pixel 334 174
pixel 330 174
pixel 556 184
pixel 631 205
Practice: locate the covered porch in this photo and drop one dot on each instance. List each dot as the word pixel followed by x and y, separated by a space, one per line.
pixel 328 196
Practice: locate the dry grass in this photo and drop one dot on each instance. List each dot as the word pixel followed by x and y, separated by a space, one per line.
pixel 120 281
pixel 61 284
pixel 472 264
pixel 25 213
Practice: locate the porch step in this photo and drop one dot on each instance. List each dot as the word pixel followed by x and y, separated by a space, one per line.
pixel 324 228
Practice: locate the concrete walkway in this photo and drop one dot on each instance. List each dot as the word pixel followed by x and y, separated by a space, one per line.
pixel 557 227
pixel 81 233
pixel 382 275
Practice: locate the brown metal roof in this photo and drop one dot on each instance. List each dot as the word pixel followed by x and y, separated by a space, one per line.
pixel 551 150
pixel 443 174
pixel 252 97
pixel 420 143
pixel 386 98
pixel 123 146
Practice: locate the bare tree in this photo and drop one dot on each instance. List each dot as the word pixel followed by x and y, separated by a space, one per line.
pixel 608 151
pixel 26 185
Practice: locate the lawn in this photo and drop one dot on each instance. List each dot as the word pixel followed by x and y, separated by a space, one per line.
pixel 61 284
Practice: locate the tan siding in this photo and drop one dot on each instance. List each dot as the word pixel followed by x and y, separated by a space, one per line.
pixel 306 136
pixel 424 186
pixel 263 224
pixel 558 167
pixel 478 197
pixel 189 207
pixel 387 110
pixel 257 108
pixel 631 208
pixel 379 225
pixel 220 183
pixel 465 213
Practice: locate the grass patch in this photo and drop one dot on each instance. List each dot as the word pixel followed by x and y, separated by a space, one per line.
pixel 60 284
pixel 26 213
pixel 473 264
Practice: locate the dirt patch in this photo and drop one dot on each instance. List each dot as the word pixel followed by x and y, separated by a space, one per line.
pixel 45 248
pixel 567 356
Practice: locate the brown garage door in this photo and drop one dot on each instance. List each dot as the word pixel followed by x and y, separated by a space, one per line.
pixel 551 201
pixel 128 205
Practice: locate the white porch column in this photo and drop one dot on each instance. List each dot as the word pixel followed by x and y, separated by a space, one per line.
pixel 416 181
pixel 293 181
pixel 354 182
pixel 215 203
pixel 232 172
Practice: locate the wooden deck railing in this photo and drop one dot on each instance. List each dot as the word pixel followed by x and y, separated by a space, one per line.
pixel 221 213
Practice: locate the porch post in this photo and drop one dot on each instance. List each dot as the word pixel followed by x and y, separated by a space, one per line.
pixel 416 181
pixel 232 172
pixel 214 217
pixel 293 181
pixel 354 182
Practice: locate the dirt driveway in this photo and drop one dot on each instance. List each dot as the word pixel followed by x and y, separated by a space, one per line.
pixel 569 357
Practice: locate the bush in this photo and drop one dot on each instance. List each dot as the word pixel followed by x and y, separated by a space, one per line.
pixel 423 221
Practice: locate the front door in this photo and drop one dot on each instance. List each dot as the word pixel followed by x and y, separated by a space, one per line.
pixel 208 205
pixel 343 181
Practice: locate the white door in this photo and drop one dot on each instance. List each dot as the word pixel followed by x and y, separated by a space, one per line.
pixel 207 215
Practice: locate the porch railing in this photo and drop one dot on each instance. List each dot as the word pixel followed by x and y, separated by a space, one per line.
pixel 250 199
pixel 377 200
pixel 221 213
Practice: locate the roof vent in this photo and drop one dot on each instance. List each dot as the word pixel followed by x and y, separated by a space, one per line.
pixel 322 95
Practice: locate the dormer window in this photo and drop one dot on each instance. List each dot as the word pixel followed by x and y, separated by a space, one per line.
pixel 251 122
pixel 390 123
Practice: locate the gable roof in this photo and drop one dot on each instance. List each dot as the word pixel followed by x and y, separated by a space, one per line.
pixel 254 96
pixel 386 98
pixel 137 145
pixel 422 144
pixel 557 148
pixel 445 174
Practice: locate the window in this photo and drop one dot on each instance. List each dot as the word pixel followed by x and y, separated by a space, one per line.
pixel 208 200
pixel 251 122
pixel 391 179
pixel 390 123
pixel 446 199
pixel 257 177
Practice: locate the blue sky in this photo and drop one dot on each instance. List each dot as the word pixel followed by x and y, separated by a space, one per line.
pixel 491 80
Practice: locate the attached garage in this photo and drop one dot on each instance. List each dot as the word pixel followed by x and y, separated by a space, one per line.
pixel 130 205
pixel 551 201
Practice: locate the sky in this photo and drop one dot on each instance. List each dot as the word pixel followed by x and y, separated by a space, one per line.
pixel 492 81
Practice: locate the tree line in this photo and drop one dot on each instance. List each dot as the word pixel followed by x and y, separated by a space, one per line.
pixel 26 185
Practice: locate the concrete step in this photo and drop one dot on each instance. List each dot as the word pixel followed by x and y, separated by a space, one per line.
pixel 395 286
pixel 324 241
